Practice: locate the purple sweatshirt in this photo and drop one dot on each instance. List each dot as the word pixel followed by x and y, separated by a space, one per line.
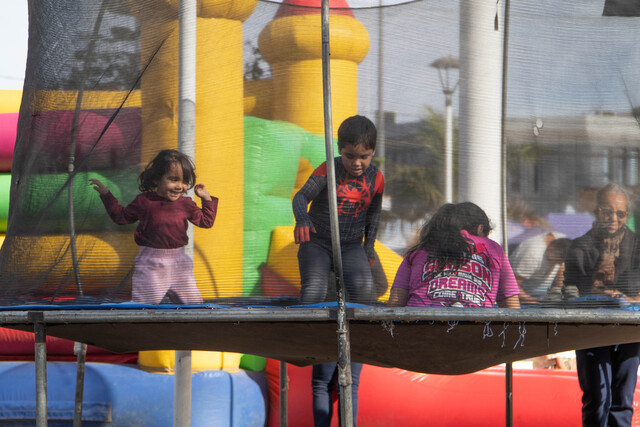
pixel 480 282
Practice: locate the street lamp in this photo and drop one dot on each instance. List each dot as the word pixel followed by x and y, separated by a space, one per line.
pixel 443 65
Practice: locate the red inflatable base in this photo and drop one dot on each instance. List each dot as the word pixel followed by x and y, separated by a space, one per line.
pixel 19 346
pixel 395 397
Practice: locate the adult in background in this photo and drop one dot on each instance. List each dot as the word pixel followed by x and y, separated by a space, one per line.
pixel 597 265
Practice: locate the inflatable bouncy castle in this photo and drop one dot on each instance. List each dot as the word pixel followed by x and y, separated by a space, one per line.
pixel 113 133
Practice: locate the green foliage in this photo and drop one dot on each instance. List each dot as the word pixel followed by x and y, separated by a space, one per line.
pixel 413 191
pixel 415 182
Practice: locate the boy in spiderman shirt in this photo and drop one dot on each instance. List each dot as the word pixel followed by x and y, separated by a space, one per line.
pixel 359 186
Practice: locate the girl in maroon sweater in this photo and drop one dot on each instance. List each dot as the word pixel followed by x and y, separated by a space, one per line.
pixel 162 211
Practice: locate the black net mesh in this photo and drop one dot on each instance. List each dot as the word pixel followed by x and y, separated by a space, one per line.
pixel 100 100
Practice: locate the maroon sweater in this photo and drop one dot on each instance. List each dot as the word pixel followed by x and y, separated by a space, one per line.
pixel 162 223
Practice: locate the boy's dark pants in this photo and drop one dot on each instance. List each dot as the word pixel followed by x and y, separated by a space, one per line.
pixel 607 377
pixel 323 382
pixel 315 261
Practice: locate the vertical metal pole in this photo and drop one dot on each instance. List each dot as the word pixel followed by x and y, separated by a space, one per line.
pixel 80 349
pixel 344 356
pixel 182 390
pixel 505 237
pixel 509 393
pixel 41 373
pixel 448 148
pixel 503 128
pixel 381 150
pixel 187 86
pixel 284 389
pixel 186 143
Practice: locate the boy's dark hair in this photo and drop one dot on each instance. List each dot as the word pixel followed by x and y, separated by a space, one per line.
pixel 357 130
pixel 161 164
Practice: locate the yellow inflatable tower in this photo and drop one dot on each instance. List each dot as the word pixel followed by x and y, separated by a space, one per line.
pixel 292 44
pixel 219 122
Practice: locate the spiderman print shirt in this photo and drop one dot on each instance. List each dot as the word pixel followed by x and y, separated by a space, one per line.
pixel 359 204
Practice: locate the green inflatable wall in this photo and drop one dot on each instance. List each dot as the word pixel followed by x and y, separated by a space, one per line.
pixel 5 186
pixel 46 202
pixel 272 152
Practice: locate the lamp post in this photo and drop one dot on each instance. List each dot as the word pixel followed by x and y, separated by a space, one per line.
pixel 443 65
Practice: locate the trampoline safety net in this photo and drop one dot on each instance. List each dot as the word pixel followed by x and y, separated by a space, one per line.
pixel 525 111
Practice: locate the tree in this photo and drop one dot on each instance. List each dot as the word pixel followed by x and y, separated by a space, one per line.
pixel 415 174
pixel 106 63
pixel 256 68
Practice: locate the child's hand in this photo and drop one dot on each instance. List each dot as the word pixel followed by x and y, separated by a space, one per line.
pixel 98 186
pixel 202 192
pixel 301 234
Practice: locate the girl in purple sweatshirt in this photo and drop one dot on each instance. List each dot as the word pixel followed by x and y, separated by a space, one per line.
pixel 455 264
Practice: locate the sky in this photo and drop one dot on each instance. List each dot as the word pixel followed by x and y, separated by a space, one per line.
pixel 13 48
pixel 553 68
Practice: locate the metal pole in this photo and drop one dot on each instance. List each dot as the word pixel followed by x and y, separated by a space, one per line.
pixel 284 389
pixel 444 65
pixel 448 147
pixel 344 356
pixel 509 394
pixel 187 87
pixel 41 374
pixel 186 143
pixel 505 237
pixel 381 150
pixel 182 390
pixel 80 349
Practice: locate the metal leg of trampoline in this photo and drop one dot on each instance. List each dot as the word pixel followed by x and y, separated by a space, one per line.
pixel 80 350
pixel 182 390
pixel 509 394
pixel 41 374
pixel 284 393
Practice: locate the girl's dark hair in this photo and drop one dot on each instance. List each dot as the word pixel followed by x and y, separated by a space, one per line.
pixel 441 237
pixel 160 165
pixel 469 216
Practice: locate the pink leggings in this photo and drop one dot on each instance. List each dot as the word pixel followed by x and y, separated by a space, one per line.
pixel 160 272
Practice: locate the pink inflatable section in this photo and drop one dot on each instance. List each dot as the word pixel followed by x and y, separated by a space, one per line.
pixel 8 131
pixel 395 397
pixel 106 143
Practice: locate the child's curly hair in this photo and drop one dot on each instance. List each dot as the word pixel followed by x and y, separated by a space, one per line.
pixel 160 165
